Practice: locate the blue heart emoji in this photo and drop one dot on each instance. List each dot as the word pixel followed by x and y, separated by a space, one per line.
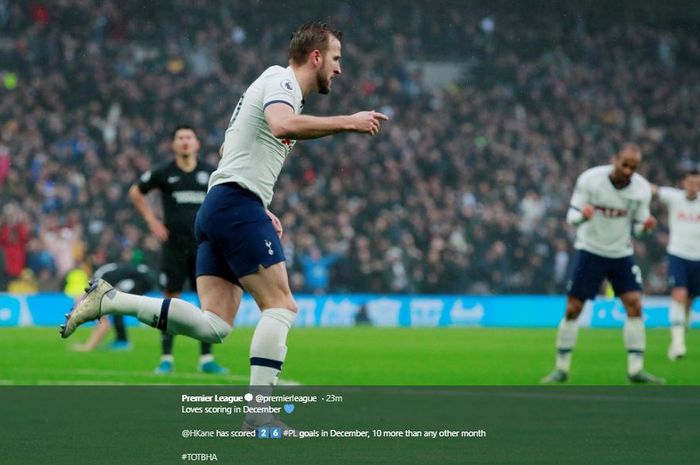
pixel 289 408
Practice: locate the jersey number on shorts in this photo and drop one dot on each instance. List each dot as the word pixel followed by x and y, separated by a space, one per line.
pixel 637 272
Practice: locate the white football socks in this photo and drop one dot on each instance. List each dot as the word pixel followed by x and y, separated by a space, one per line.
pixel 566 340
pixel 268 350
pixel 635 342
pixel 677 318
pixel 175 316
pixel 268 347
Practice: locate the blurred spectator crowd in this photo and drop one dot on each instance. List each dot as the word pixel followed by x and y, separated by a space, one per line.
pixel 464 191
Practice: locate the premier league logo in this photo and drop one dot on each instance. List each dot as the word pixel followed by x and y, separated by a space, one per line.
pixel 287 85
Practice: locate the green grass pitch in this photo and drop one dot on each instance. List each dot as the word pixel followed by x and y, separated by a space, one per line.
pixel 347 356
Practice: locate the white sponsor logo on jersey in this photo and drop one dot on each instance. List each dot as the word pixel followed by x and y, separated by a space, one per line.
pixel 172 179
pixel 202 178
pixel 189 197
pixel 690 217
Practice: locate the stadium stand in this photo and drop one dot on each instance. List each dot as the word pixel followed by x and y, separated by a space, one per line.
pixel 465 191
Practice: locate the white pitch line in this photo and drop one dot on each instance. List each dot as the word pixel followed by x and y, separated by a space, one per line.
pixel 145 374
pixel 64 382
pixel 239 378
pixel 6 382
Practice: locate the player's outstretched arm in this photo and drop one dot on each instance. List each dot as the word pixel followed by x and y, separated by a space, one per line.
pixel 644 222
pixel 154 224
pixel 285 124
pixel 580 208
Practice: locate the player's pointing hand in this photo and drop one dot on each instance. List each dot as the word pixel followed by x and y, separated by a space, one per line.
pixel 368 122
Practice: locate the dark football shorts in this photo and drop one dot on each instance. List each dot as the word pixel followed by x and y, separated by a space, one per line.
pixel 684 273
pixel 178 265
pixel 235 237
pixel 590 270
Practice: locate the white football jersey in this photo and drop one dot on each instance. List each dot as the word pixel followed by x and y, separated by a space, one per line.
pixel 684 223
pixel 252 156
pixel 609 232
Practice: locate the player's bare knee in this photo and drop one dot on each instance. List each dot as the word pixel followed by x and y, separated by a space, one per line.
pixel 634 310
pixel 289 302
pixel 633 304
pixel 275 296
pixel 286 298
pixel 572 314
pixel 679 294
pixel 292 304
pixel 285 301
pixel 573 309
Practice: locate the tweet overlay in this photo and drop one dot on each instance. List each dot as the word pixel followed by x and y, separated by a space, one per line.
pixel 340 424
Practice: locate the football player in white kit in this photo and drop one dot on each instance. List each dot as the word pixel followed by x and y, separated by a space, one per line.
pixel 683 254
pixel 238 238
pixel 609 203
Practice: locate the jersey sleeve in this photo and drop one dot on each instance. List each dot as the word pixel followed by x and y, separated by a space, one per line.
pixel 643 212
pixel 151 179
pixel 579 198
pixel 278 88
pixel 666 195
pixel 581 194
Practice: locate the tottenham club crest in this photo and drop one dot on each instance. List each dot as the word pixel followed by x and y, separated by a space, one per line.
pixel 202 178
pixel 287 85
